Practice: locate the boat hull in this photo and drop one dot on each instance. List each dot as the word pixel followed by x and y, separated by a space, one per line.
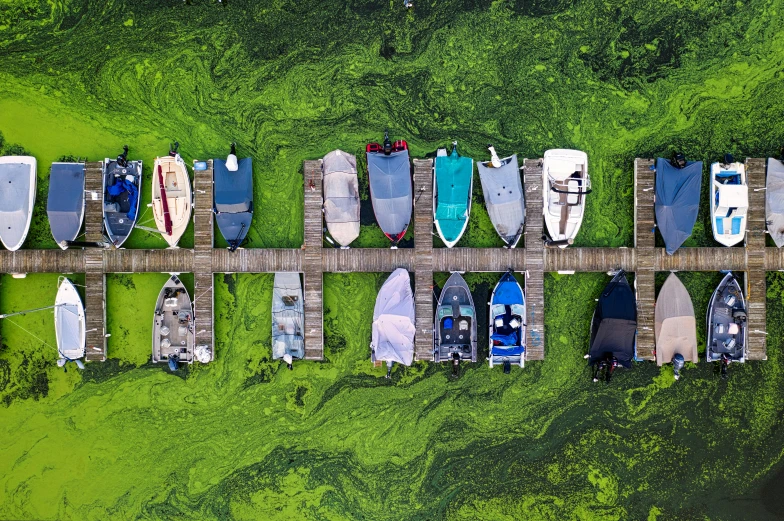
pixel 453 182
pixel 173 324
pixel 722 340
pixel 728 204
pixel 69 321
pixel 507 307
pixel 121 211
pixel 65 202
pixel 391 192
pixel 178 195
pixel 19 179
pixel 565 181
pixel 504 199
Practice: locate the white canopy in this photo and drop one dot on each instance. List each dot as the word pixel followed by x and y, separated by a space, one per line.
pixel 393 320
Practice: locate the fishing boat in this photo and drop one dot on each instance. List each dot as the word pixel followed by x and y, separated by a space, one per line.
pixel 453 181
pixel 341 196
pixel 18 178
pixel 727 324
pixel 774 200
pixel 503 193
pixel 122 187
pixel 65 203
pixel 391 193
pixel 172 328
pixel 233 197
pixel 677 199
pixel 171 196
pixel 675 327
pixel 729 201
pixel 507 324
pixel 455 323
pixel 566 181
pixel 69 323
pixel 392 336
pixel 288 314
pixel 613 329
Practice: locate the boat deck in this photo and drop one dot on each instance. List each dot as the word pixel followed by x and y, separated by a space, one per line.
pixel 644 259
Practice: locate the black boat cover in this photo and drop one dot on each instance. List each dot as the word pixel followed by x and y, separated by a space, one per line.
pixel 233 198
pixel 65 204
pixel 614 323
pixel 677 201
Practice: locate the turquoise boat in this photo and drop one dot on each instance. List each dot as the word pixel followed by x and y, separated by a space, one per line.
pixel 453 181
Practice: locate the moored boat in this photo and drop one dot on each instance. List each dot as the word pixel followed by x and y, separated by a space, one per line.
pixel 341 196
pixel 69 323
pixel 173 326
pixel 774 200
pixel 566 183
pixel 453 181
pixel 391 192
pixel 65 202
pixel 288 314
pixel 122 186
pixel 613 329
pixel 394 326
pixel 171 196
pixel 729 198
pixel 675 327
pixel 233 197
pixel 19 180
pixel 455 323
pixel 503 194
pixel 507 323
pixel 727 324
pixel 677 199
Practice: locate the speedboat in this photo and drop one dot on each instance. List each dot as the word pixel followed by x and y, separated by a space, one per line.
pixel 503 193
pixel 394 326
pixel 172 328
pixel 19 179
pixel 122 188
pixel 288 314
pixel 65 203
pixel 677 197
pixel 171 196
pixel 675 327
pixel 507 323
pixel 774 200
pixel 613 329
pixel 729 197
pixel 341 196
pixel 727 324
pixel 391 193
pixel 233 197
pixel 455 323
pixel 453 181
pixel 69 323
pixel 565 179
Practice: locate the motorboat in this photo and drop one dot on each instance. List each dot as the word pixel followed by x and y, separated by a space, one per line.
pixel 394 326
pixel 729 197
pixel 341 196
pixel 122 189
pixel 391 192
pixel 566 183
pixel 727 324
pixel 774 200
pixel 69 323
pixel 65 202
pixel 18 177
pixel 613 329
pixel 503 193
pixel 455 323
pixel 675 328
pixel 507 323
pixel 173 335
pixel 288 318
pixel 171 196
pixel 677 199
pixel 233 197
pixel 453 181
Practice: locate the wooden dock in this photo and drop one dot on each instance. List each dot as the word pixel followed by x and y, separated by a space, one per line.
pixel 313 260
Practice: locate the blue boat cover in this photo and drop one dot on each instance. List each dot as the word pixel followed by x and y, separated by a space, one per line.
pixel 65 203
pixel 677 201
pixel 233 199
pixel 507 351
pixel 133 193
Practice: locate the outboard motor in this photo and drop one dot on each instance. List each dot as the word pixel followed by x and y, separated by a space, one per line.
pixel 728 159
pixel 231 161
pixel 173 149
pixel 604 369
pixel 174 361
pixel 387 144
pixel 725 364
pixel 678 160
pixel 507 367
pixel 390 363
pixel 455 364
pixel 122 159
pixel 677 364
pixel 289 361
pixel 494 159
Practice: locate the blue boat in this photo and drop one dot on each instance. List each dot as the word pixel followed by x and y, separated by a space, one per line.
pixel 507 324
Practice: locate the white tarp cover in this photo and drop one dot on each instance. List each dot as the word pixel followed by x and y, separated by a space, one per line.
pixel 288 314
pixel 14 201
pixel 393 320
pixel 341 196
pixel 675 326
pixel 503 192
pixel 774 201
pixel 734 196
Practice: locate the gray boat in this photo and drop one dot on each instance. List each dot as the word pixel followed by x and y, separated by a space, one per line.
pixel 341 196
pixel 288 318
pixel 455 323
pixel 65 203
pixel 172 328
pixel 503 192
pixel 727 324
pixel 675 327
pixel 122 182
pixel 233 197
pixel 774 200
pixel 394 322
pixel 389 173
pixel 17 198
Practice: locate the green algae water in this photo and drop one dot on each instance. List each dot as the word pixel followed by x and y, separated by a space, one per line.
pixel 244 437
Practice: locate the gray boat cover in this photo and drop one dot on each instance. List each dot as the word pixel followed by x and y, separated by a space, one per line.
pixel 288 317
pixel 341 196
pixel 677 201
pixel 390 190
pixel 392 338
pixel 14 202
pixel 65 204
pixel 233 198
pixel 504 198
pixel 774 201
pixel 675 326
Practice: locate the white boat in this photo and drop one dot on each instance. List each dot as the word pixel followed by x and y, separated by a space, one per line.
pixel 566 182
pixel 18 179
pixel 729 197
pixel 69 321
pixel 173 326
pixel 171 197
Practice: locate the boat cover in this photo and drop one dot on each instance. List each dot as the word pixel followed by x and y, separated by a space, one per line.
pixel 614 323
pixel 677 201
pixel 341 196
pixel 675 325
pixel 233 198
pixel 393 320
pixel 14 201
pixel 507 301
pixel 288 314
pixel 390 190
pixel 774 201
pixel 123 185
pixel 503 193
pixel 453 181
pixel 65 204
pixel 69 330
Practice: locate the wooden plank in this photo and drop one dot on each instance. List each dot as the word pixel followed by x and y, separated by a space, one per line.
pixel 756 288
pixel 93 202
pixel 95 306
pixel 535 256
pixel 203 215
pixel 311 262
pixel 644 241
pixel 423 258
pixel 42 261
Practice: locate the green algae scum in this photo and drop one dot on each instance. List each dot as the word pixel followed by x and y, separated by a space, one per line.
pixel 245 438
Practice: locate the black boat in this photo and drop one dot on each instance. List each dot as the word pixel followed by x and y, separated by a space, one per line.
pixel 613 329
pixel 455 323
